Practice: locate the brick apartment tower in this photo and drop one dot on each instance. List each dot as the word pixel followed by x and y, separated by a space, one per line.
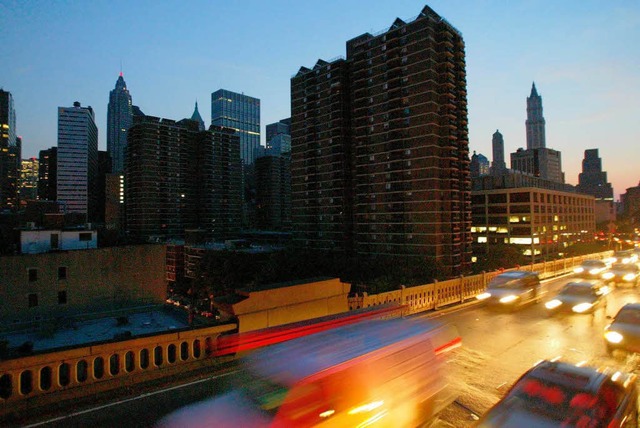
pixel 380 158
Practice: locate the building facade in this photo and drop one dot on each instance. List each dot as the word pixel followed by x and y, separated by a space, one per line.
pixel 593 181
pixel 77 174
pixel 380 160
pixel 479 165
pixel 539 216
pixel 242 114
pixel 631 202
pixel 10 154
pixel 119 120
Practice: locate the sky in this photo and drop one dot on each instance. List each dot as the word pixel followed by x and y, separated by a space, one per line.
pixel 583 55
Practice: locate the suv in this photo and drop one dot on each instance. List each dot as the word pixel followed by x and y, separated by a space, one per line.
pixel 512 289
pixel 555 393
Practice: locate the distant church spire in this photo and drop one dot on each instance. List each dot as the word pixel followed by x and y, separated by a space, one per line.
pixel 196 116
pixel 535 121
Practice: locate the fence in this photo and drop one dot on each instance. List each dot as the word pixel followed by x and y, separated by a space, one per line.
pixel 442 293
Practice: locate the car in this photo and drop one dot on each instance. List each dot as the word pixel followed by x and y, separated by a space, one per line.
pixel 560 394
pixel 591 269
pixel 512 289
pixel 623 273
pixel 624 331
pixel 584 296
pixel 625 257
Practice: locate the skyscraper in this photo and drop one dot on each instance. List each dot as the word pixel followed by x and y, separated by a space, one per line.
pixel 479 165
pixel 48 174
pixel 29 180
pixel 593 181
pixel 241 113
pixel 10 154
pixel 537 159
pixel 278 137
pixel 77 173
pixel 196 117
pixel 119 120
pixel 498 166
pixel 379 147
pixel 535 121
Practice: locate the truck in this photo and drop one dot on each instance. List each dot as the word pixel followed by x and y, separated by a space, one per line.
pixel 380 373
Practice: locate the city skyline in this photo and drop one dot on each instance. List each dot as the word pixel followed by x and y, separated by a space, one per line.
pixel 579 54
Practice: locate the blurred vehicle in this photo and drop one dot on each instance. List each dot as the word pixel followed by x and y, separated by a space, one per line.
pixel 624 331
pixel 386 373
pixel 625 257
pixel 591 269
pixel 559 394
pixel 513 289
pixel 584 296
pixel 623 273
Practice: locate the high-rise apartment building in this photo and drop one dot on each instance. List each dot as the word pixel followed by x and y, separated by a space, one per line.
pixel 273 193
pixel 380 159
pixel 77 173
pixel 537 159
pixel 242 114
pixel 10 154
pixel 48 174
pixel 179 178
pixel 119 120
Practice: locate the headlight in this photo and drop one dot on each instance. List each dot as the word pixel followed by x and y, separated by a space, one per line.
pixel 613 336
pixel 508 299
pixel 553 304
pixel 578 270
pixel 629 277
pixel 595 271
pixel 483 296
pixel 581 307
pixel 608 275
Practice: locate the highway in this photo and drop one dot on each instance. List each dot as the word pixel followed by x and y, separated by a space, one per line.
pixel 497 347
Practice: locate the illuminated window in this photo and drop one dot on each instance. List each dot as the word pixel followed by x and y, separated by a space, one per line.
pixel 514 219
pixel 520 241
pixel 482 239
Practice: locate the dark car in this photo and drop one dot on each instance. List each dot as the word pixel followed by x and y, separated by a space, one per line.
pixel 591 269
pixel 513 289
pixel 623 273
pixel 559 394
pixel 624 331
pixel 585 296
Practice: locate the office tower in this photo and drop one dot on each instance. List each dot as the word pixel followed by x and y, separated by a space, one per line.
pixel 196 117
pixel 240 113
pixel 10 154
pixel 29 180
pixel 479 165
pixel 78 160
pixel 119 120
pixel 498 166
pixel 593 181
pixel 273 192
pixel 380 158
pixel 47 174
pixel 278 138
pixel 537 159
pixel 180 178
pixel 535 121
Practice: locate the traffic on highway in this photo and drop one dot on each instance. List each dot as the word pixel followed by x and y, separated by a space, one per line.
pixel 560 352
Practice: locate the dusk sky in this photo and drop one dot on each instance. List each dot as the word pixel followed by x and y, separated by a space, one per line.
pixel 583 55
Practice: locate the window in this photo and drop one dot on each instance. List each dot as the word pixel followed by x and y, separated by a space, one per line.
pixel 85 236
pixel 33 275
pixel 62 272
pixel 62 297
pixel 33 300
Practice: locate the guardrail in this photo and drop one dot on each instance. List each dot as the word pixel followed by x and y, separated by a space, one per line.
pixel 443 293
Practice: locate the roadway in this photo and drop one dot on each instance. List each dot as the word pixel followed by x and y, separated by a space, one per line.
pixel 497 347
